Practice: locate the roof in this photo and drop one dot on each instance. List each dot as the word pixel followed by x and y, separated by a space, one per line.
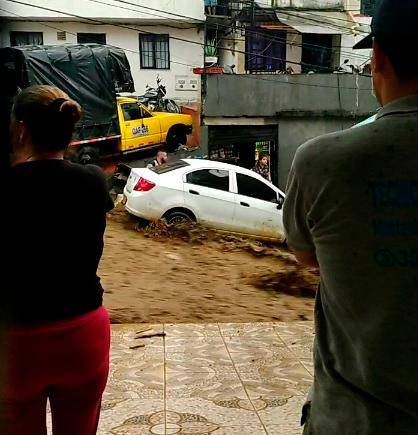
pixel 321 22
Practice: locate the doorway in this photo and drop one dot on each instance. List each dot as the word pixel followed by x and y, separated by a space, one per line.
pixel 240 145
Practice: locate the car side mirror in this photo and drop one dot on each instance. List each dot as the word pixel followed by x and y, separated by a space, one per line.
pixel 279 202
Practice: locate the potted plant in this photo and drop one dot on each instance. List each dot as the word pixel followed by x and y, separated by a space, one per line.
pixel 211 52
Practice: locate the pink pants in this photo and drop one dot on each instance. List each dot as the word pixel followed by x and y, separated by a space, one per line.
pixel 66 362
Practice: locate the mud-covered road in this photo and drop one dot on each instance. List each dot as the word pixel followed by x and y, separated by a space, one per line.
pixel 188 274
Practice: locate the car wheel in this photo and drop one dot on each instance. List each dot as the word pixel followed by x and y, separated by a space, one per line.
pixel 140 224
pixel 176 217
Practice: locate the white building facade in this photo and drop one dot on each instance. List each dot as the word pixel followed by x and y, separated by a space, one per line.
pixel 162 38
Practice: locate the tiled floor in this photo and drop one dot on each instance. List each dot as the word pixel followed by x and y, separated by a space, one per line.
pixel 220 379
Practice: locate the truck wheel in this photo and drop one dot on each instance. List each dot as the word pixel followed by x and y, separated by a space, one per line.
pixel 88 156
pixel 175 138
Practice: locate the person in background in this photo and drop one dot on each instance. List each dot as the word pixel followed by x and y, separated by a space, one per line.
pixel 262 166
pixel 210 6
pixel 160 159
pixel 56 333
pixel 351 209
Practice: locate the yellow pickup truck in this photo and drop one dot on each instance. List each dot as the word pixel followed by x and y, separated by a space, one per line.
pixel 140 128
pixel 95 76
pixel 136 128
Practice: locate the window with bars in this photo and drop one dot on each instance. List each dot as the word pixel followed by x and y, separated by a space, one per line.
pixel 26 38
pixel 155 51
pixel 265 50
pixel 91 38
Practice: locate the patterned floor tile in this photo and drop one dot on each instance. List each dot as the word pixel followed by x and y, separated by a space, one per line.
pixel 283 378
pixel 277 429
pixel 125 341
pixel 182 362
pixel 248 352
pixel 134 373
pixel 194 345
pixel 308 364
pixel 253 429
pixel 243 345
pixel 211 385
pixel 132 417
pixel 221 413
pixel 246 329
pixel 284 419
pixel 192 330
pixel 295 332
pixel 249 379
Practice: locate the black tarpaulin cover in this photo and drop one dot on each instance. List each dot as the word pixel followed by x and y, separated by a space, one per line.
pixel 89 73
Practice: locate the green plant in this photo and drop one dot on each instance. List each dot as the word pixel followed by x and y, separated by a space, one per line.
pixel 211 49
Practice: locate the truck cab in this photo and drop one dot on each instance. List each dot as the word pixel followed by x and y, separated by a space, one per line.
pixel 141 128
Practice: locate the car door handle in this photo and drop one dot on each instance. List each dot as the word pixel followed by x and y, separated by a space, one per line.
pixel 244 204
pixel 194 192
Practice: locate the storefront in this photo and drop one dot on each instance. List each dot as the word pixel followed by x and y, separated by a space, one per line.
pixel 241 144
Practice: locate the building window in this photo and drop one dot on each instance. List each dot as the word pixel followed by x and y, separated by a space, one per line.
pixel 91 38
pixel 318 53
pixel 26 38
pixel 265 50
pixel 368 7
pixel 155 51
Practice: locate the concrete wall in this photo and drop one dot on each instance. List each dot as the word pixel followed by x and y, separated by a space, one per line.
pixel 298 94
pixel 185 10
pixel 293 132
pixel 301 112
pixel 184 55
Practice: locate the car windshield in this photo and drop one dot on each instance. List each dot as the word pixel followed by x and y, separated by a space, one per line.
pixel 168 167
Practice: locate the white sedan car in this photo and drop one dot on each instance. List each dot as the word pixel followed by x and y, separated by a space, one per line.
pixel 218 195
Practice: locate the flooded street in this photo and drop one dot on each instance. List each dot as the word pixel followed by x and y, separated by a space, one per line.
pixel 190 274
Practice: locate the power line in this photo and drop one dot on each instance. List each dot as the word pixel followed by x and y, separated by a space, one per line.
pixel 224 26
pixel 142 12
pixel 172 37
pixel 111 45
pixel 352 54
pixel 158 10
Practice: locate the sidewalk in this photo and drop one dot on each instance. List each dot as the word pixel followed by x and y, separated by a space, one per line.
pixel 220 379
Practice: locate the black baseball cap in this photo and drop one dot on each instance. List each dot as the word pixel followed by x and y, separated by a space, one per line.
pixel 395 20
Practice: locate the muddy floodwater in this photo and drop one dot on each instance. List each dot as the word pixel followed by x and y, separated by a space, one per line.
pixel 188 274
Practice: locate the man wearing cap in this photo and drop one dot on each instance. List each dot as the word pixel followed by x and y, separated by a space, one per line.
pixel 352 210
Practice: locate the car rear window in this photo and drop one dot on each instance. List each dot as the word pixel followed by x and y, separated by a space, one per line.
pixel 168 167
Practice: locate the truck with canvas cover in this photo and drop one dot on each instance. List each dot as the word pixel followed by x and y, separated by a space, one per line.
pixel 93 75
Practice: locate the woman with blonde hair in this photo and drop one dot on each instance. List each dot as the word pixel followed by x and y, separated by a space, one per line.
pixel 56 331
